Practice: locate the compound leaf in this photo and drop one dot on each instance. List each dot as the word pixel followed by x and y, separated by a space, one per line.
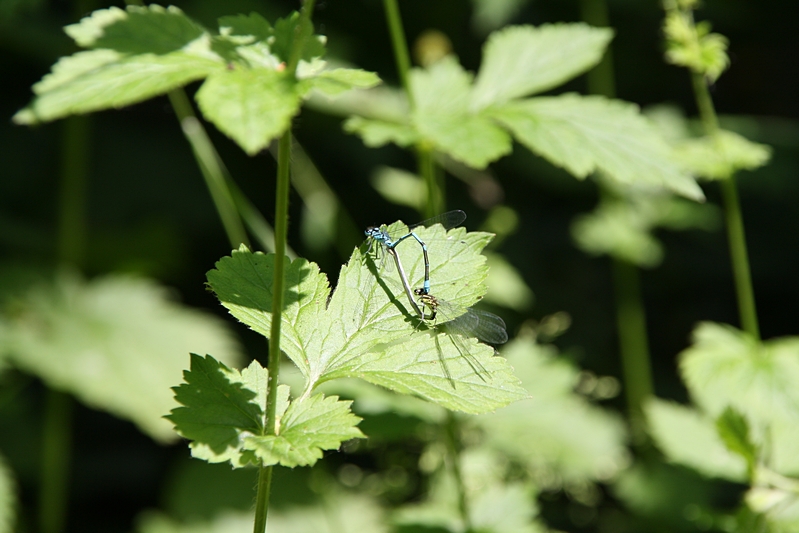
pixel 586 134
pixel 523 60
pixel 309 426
pixel 442 115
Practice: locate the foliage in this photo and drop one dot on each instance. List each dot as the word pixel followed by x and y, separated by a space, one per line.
pixel 142 52
pixel 471 121
pixel 117 343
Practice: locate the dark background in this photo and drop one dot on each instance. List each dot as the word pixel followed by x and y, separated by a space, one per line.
pixel 149 210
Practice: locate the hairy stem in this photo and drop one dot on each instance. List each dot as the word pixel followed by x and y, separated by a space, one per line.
pixel 399 44
pixel 733 216
pixel 281 231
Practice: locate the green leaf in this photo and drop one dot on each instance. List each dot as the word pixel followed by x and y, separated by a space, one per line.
pixel 365 330
pixel 336 81
pixel 138 30
pixel 243 283
pixel 400 187
pixel 586 134
pixel 726 367
pixel 253 26
pixel 522 60
pixel 617 229
pixel 100 79
pixel 286 33
pixel 505 508
pixel 218 411
pixel 117 343
pixel 556 419
pixel 442 115
pixel 377 133
pixel 252 107
pixel 734 432
pixel 8 498
pixel 689 438
pixel 309 426
pixel 719 157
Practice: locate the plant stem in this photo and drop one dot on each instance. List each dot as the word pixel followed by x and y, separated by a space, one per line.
pixel 56 453
pixel 453 453
pixel 400 45
pixel 281 231
pixel 736 236
pixel 630 309
pixel 427 170
pixel 633 343
pixel 211 167
pixel 600 78
pixel 72 209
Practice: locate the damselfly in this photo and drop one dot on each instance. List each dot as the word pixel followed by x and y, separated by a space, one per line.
pixel 387 242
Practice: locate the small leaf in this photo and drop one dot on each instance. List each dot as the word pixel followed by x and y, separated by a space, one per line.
pixel 377 133
pixel 251 106
pixel 726 367
pixel 252 25
pixel 522 60
pixel 586 134
pixel 442 96
pixel 117 343
pixel 218 410
pixel 286 34
pixel 618 230
pixel 734 432
pixel 336 81
pixel 507 287
pixel 309 426
pixel 243 284
pixel 96 80
pixel 138 30
pixel 721 156
pixel 689 438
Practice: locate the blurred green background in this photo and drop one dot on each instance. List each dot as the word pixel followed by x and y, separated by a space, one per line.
pixel 149 211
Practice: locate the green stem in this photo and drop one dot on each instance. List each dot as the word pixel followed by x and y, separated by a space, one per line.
pixel 630 310
pixel 211 167
pixel 281 231
pixel 72 209
pixel 739 258
pixel 453 453
pixel 56 452
pixel 400 45
pixel 736 236
pixel 427 170
pixel 600 78
pixel 633 342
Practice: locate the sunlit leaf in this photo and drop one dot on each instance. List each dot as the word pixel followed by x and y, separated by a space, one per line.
pixel 689 438
pixel 522 60
pixel 719 157
pixel 309 426
pixel 586 134
pixel 377 133
pixel 252 106
pixel 442 115
pixel 116 343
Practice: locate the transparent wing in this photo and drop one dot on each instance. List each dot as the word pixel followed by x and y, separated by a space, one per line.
pixel 481 325
pixel 450 219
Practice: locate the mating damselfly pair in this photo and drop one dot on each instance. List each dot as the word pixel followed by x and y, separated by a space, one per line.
pixel 455 320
